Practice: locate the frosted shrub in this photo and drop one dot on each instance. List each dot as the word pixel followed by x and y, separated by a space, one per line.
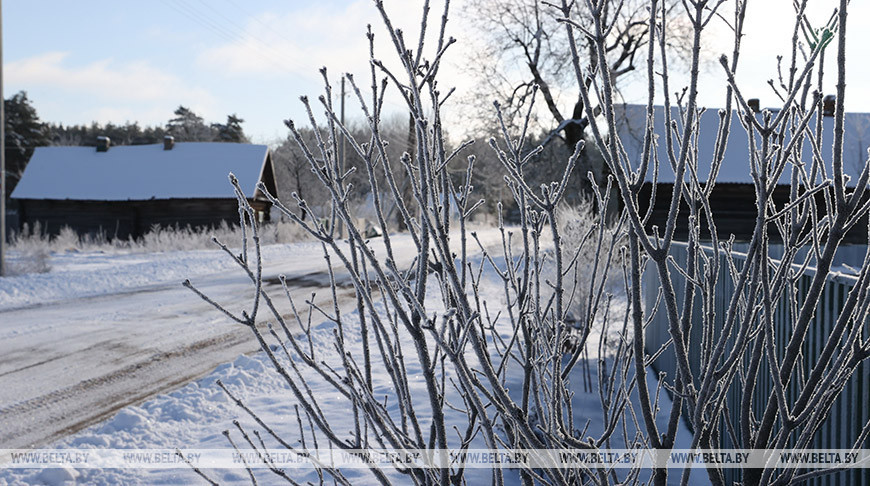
pixel 281 232
pixel 66 239
pixel 592 282
pixel 582 230
pixel 429 361
pixel 30 251
pixel 160 238
pixel 157 239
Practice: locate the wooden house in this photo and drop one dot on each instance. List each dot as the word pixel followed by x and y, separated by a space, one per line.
pixel 123 191
pixel 733 199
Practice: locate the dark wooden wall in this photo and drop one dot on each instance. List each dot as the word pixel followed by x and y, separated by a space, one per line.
pixel 734 210
pixel 125 219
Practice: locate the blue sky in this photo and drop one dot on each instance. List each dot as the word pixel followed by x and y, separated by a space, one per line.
pixel 117 61
pixel 133 60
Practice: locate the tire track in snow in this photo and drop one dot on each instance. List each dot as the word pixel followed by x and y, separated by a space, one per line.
pixel 133 374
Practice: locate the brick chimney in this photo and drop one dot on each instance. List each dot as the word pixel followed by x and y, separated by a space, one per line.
pixel 103 143
pixel 168 142
pixel 829 105
pixel 754 104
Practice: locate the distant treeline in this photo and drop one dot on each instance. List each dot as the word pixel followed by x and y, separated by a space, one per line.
pixel 187 126
pixel 86 135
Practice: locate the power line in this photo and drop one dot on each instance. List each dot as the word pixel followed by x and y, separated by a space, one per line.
pixel 232 33
pixel 263 24
pixel 241 29
pixel 180 9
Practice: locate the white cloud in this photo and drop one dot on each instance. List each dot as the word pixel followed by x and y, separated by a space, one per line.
pixel 105 80
pixel 104 90
pixel 299 42
pixel 294 45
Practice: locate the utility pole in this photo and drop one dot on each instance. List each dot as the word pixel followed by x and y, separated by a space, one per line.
pixel 343 138
pixel 341 159
pixel 2 157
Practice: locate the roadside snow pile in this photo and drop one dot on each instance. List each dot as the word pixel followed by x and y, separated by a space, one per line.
pixel 57 476
pixel 192 416
pixel 77 275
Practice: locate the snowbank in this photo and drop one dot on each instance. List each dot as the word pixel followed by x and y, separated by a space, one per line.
pixel 77 275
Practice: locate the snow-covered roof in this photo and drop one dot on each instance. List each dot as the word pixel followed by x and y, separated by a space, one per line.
pixel 142 172
pixel 735 167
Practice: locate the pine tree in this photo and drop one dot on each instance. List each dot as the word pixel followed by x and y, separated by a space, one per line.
pixel 231 131
pixel 187 126
pixel 24 132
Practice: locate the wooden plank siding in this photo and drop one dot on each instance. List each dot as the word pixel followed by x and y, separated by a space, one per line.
pixel 125 219
pixel 734 209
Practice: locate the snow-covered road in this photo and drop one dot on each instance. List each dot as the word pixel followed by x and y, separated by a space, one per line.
pixel 103 331
pixel 66 365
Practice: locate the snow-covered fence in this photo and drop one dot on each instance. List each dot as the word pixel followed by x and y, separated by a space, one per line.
pixel 849 412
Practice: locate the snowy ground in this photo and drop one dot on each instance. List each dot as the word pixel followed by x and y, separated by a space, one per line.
pixel 111 330
pixel 126 295
pixel 76 275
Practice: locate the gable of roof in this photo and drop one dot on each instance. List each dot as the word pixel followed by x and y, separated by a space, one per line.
pixel 189 170
pixel 735 166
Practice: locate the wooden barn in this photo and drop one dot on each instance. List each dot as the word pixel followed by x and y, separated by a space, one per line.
pixel 733 197
pixel 123 191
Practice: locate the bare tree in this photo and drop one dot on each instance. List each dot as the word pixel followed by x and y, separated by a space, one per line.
pixel 503 377
pixel 294 176
pixel 522 47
